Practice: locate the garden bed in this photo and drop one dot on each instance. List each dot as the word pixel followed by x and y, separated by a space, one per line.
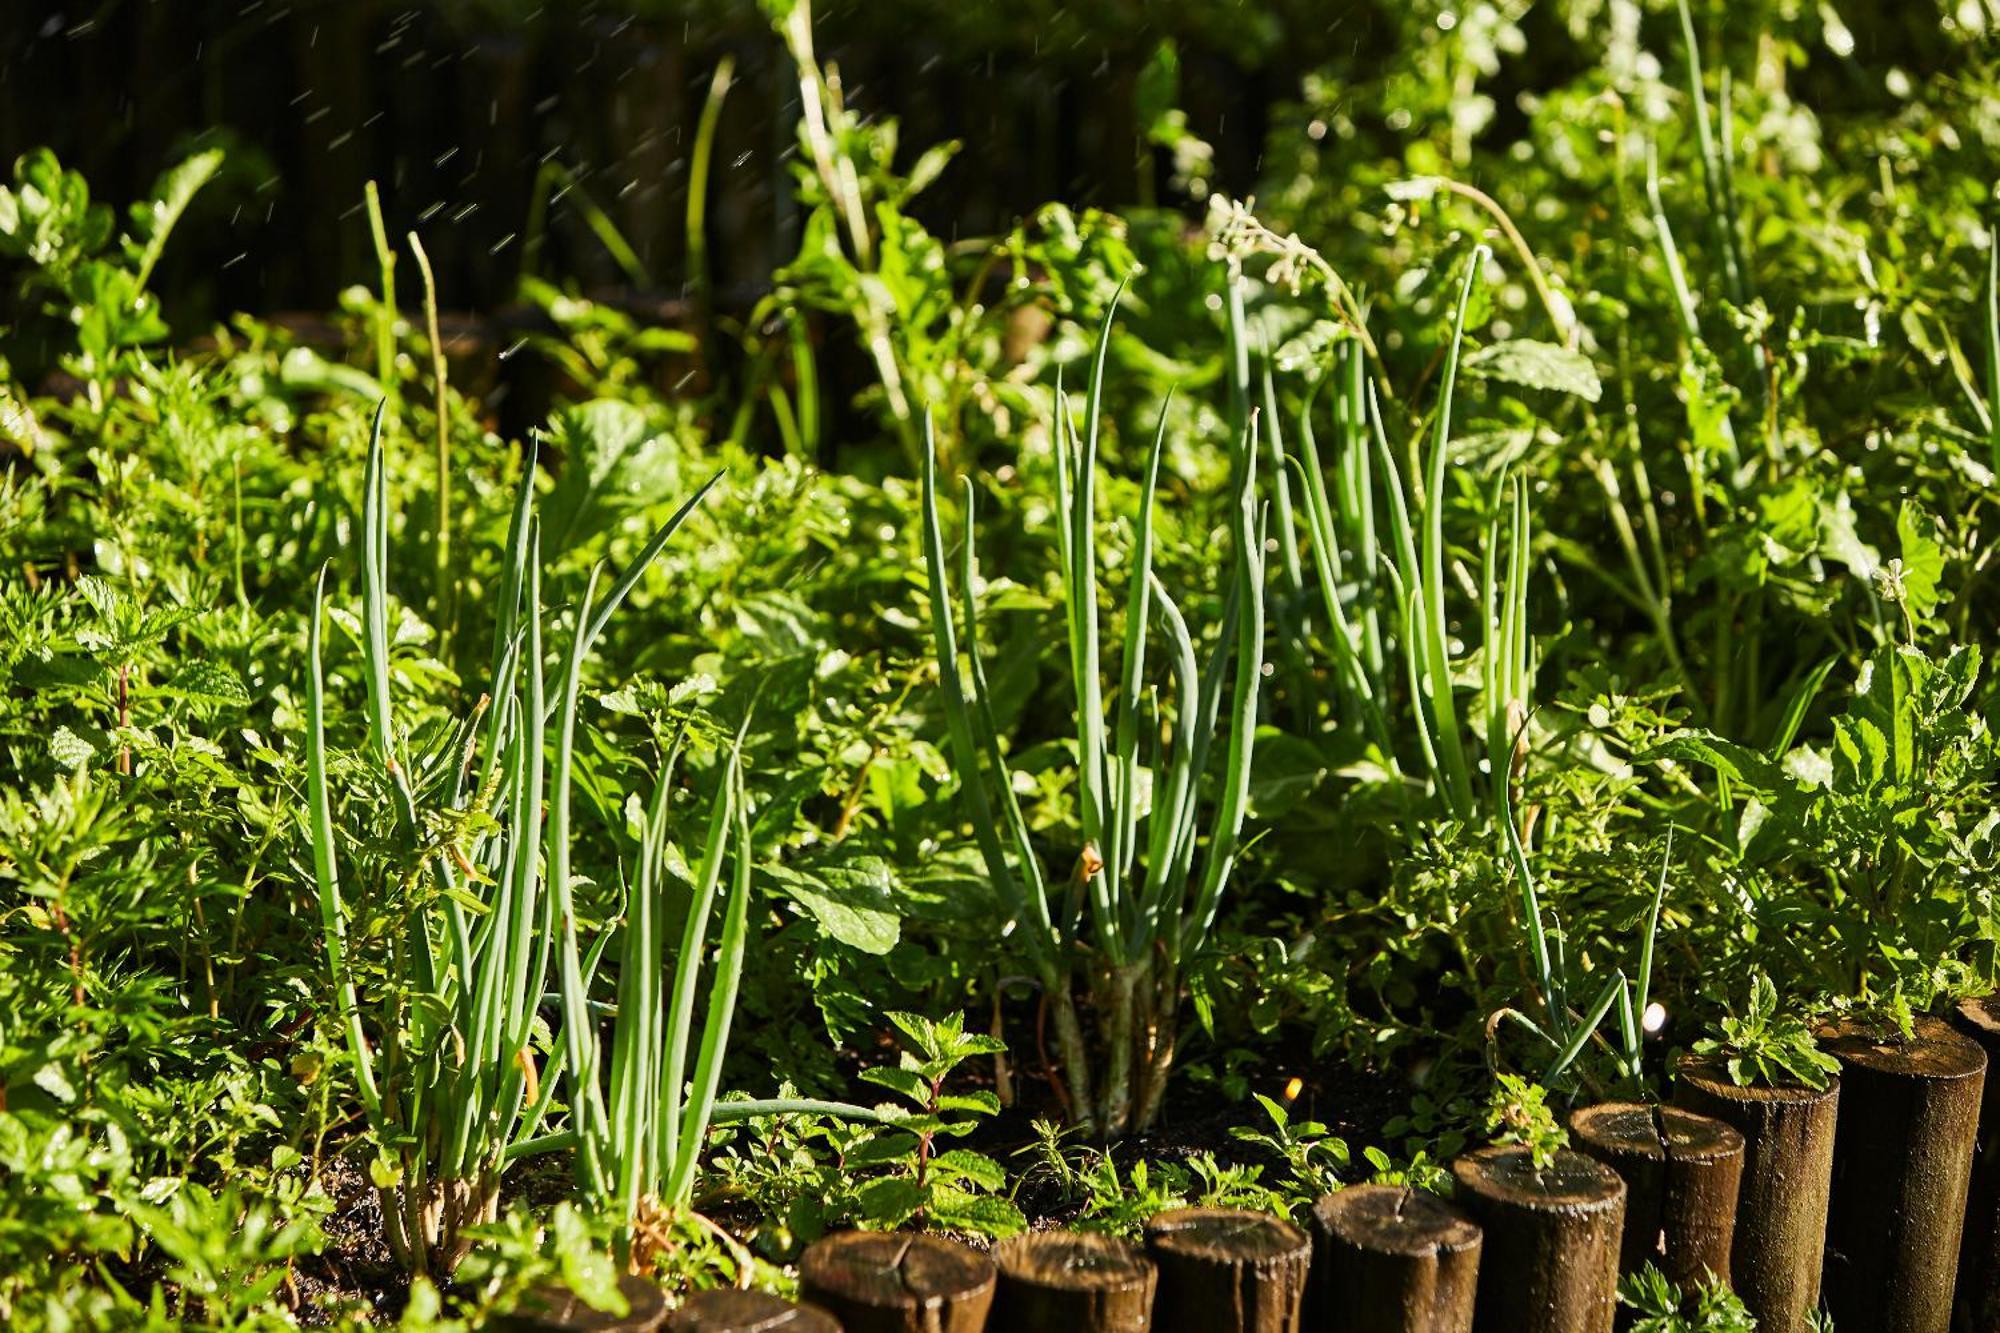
pixel 1416 747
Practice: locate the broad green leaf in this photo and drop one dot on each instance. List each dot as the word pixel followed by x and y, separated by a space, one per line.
pixel 889 1202
pixel 903 1081
pixel 176 188
pixel 1922 556
pixel 852 900
pixel 984 1214
pixel 978 1103
pixel 1537 365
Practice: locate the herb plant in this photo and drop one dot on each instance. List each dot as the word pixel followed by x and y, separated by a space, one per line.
pixel 1148 910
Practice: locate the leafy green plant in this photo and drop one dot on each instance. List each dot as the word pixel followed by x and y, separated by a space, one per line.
pixel 1384 597
pixel 1313 1156
pixel 1766 1047
pixel 1658 1306
pixel 953 1188
pixel 1119 1200
pixel 1148 912
pixel 47 219
pixel 228 1255
pixel 1518 1112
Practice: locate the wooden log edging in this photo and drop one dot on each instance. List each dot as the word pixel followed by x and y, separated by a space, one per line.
pixel 1227 1270
pixel 1071 1282
pixel 734 1311
pixel 1388 1259
pixel 1682 1171
pixel 1978 1297
pixel 1781 1206
pixel 898 1282
pixel 1909 1116
pixel 556 1309
pixel 1551 1240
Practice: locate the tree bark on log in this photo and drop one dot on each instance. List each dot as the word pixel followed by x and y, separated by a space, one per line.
pixel 1774 1260
pixel 1902 1162
pixel 1682 1171
pixel 1387 1259
pixel 1226 1270
pixel 1979 1253
pixel 1070 1282
pixel 1551 1240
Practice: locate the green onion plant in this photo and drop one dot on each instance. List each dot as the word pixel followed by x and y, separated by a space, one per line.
pixel 1135 908
pixel 473 906
pixel 1380 560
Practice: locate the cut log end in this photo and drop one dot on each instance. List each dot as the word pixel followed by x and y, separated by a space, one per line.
pixel 1980 1015
pixel 734 1311
pixel 1935 1051
pixel 1572 1183
pixel 890 1281
pixel 1072 1261
pixel 1226 1236
pixel 1391 1219
pixel 1654 1133
pixel 557 1309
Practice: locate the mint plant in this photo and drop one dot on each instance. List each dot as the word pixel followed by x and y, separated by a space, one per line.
pixel 955 1189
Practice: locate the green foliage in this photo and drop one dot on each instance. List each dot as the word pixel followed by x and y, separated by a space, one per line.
pixel 1119 1200
pixel 1519 1113
pixel 1509 536
pixel 1148 910
pixel 1658 1306
pixel 1313 1157
pixel 1765 1047
pixel 48 220
pixel 955 1189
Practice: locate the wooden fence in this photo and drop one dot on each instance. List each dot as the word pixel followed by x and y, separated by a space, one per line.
pixel 1877 1198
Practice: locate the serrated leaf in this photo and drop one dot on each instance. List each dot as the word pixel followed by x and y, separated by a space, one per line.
pixel 978 1103
pixel 903 1081
pixel 207 681
pixel 69 749
pixel 882 1150
pixel 976 1169
pixel 1537 365
pixel 1922 557
pixel 981 1214
pixel 889 1201
pixel 1738 763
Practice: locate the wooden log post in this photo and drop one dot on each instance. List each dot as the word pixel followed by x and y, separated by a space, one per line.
pixel 1227 1270
pixel 1979 1253
pixel 733 1311
pixel 1551 1240
pixel 1902 1161
pixel 557 1309
pixel 1774 1260
pixel 1070 1282
pixel 887 1282
pixel 1682 1172
pixel 1391 1260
